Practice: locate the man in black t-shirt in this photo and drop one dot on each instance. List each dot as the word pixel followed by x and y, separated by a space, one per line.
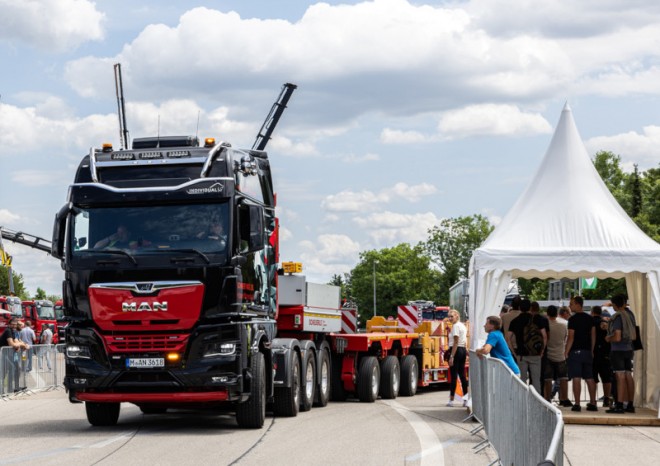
pixel 579 353
pixel 531 339
pixel 9 339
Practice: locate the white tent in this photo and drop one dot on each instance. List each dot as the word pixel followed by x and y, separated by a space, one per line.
pixel 568 224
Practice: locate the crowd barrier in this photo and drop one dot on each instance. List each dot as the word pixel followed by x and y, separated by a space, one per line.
pixel 520 425
pixel 39 368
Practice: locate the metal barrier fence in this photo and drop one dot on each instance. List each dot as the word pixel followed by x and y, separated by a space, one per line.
pixel 39 368
pixel 521 425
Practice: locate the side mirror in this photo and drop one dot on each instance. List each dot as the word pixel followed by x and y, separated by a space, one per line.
pixel 59 229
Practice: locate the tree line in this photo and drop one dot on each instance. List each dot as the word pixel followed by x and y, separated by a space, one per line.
pixel 427 270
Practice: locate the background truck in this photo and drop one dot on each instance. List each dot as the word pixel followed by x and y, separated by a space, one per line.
pixel 40 312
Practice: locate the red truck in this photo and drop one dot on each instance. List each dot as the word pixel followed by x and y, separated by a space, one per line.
pixel 40 312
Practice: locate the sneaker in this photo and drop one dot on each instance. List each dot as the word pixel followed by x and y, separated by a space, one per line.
pixel 630 409
pixel 576 408
pixel 450 403
pixel 566 404
pixel 592 407
pixel 607 402
pixel 465 403
pixel 615 410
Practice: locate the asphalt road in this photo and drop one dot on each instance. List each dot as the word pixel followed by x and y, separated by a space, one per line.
pixel 46 429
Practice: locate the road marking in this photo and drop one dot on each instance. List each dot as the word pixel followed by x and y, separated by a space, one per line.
pixel 431 449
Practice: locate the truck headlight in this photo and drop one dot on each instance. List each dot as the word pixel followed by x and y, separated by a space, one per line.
pixel 219 349
pixel 78 351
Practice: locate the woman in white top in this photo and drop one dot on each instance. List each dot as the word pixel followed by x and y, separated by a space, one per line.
pixel 458 341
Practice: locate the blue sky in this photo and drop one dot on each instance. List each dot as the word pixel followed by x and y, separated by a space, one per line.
pixel 407 112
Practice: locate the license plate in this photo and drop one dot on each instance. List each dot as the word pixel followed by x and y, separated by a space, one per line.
pixel 145 362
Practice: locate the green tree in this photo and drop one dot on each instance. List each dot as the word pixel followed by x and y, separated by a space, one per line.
pixel 344 283
pixel 402 273
pixel 19 286
pixel 40 294
pixel 450 247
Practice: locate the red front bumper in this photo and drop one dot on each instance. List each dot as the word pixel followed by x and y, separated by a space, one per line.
pixel 182 397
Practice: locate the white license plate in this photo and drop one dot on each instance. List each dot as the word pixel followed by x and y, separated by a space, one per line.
pixel 145 362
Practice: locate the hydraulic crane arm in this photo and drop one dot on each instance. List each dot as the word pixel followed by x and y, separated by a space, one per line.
pixel 26 239
pixel 273 117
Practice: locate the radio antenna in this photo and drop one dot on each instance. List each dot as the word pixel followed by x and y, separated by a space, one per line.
pixel 197 130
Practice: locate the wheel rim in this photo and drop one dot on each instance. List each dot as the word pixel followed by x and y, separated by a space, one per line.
pixel 309 380
pixel 324 376
pixel 395 381
pixel 413 377
pixel 374 381
pixel 296 383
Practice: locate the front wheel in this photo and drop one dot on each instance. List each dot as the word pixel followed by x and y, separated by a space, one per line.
pixel 252 413
pixel 102 414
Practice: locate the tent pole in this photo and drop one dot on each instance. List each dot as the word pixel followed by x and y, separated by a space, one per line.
pixel 643 331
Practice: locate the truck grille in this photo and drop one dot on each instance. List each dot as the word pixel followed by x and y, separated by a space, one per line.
pixel 144 343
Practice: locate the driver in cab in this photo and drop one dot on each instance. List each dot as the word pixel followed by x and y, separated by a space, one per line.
pixel 120 240
pixel 215 232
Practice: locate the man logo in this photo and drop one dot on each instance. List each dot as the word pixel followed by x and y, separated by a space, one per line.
pixel 144 287
pixel 144 307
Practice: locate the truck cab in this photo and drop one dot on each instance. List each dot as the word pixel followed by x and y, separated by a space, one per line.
pixel 40 312
pixel 169 254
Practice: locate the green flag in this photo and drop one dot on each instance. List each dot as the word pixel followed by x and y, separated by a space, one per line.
pixel 588 283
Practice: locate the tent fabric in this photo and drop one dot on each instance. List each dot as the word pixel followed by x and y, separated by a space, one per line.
pixel 567 224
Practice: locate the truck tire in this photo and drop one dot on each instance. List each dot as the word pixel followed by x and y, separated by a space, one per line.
pixel 337 390
pixel 251 414
pixel 287 399
pixel 409 375
pixel 323 388
pixel 308 385
pixel 390 377
pixel 368 379
pixel 102 414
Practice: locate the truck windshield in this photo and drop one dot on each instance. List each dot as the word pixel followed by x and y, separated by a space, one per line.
pixel 152 229
pixel 59 312
pixel 45 311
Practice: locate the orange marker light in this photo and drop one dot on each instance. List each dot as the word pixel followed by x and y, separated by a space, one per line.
pixel 209 142
pixel 173 357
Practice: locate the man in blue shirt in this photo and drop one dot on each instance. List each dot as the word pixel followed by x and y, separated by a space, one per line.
pixel 496 345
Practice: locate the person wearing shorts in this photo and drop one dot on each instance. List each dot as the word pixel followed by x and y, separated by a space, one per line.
pixel 620 333
pixel 555 362
pixel 579 353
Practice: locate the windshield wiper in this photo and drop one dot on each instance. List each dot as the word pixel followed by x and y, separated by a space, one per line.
pixel 109 251
pixel 196 251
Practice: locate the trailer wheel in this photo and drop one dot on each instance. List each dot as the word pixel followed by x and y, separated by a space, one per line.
pixel 323 391
pixel 337 390
pixel 252 413
pixel 287 399
pixel 308 386
pixel 368 379
pixel 409 375
pixel 102 414
pixel 390 377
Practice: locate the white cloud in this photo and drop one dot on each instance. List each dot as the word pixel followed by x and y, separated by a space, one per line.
pixel 352 201
pixel 492 119
pixel 9 218
pixel 633 147
pixel 57 25
pixel 355 159
pixel 388 228
pixel 393 136
pixel 36 178
pixel 329 254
